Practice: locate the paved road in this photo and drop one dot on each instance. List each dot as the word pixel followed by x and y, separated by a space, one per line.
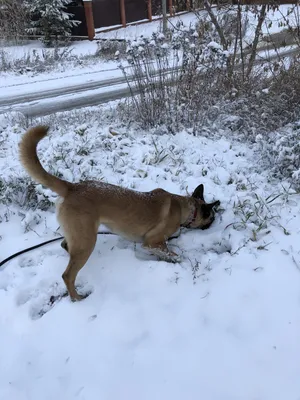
pixel 43 98
pixel 50 100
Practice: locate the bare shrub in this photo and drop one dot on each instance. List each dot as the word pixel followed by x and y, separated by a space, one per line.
pixel 281 153
pixel 173 81
pixel 22 191
pixel 36 61
pixel 110 49
pixel 272 103
pixel 213 76
pixel 13 20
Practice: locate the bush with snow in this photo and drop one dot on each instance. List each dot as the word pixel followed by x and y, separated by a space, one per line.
pixel 269 103
pixel 183 81
pixel 174 78
pixel 281 150
pixel 110 49
pixel 13 19
pixel 50 19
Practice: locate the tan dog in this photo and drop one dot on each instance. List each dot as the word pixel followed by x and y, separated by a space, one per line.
pixel 149 217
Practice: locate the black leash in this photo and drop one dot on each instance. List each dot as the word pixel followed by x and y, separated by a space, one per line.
pixel 51 241
pixel 40 245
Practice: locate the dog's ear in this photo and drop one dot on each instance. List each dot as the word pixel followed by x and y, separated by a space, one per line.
pixel 198 192
pixel 214 204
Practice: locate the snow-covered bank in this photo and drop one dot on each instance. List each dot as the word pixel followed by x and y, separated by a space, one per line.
pixel 222 325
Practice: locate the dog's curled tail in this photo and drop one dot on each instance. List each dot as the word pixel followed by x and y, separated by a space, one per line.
pixel 32 165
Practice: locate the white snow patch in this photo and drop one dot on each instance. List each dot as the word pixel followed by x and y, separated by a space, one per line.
pixel 223 325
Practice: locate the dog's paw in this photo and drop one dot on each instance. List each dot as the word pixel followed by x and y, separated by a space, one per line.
pixel 171 258
pixel 168 256
pixel 79 297
pixel 82 292
pixel 157 254
pixel 143 254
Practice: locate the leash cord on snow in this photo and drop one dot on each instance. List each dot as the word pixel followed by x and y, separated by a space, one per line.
pixel 50 241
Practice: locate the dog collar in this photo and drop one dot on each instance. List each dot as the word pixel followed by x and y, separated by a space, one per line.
pixel 192 218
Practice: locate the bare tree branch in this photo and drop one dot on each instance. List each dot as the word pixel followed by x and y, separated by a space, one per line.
pixel 261 18
pixel 214 20
pixel 240 35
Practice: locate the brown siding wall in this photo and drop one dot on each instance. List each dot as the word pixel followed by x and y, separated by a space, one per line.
pixel 106 13
pixel 136 10
pixel 76 8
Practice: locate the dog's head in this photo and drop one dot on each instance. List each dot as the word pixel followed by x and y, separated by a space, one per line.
pixel 204 213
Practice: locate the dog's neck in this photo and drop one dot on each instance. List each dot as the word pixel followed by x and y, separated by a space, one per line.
pixel 191 217
pixel 188 210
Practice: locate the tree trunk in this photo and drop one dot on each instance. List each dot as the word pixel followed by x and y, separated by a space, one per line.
pixel 165 19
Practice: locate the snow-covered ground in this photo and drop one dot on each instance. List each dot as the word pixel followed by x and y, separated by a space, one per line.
pixel 224 324
pixel 66 68
pixel 80 50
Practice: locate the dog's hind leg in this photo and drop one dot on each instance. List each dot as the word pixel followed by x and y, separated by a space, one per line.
pixel 80 249
pixel 64 245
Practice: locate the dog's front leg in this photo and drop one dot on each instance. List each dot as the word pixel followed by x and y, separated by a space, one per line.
pixel 155 239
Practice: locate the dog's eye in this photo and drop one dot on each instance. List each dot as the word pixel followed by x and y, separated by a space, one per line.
pixel 205 213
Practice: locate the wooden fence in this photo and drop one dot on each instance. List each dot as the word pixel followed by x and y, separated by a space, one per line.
pixel 96 14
